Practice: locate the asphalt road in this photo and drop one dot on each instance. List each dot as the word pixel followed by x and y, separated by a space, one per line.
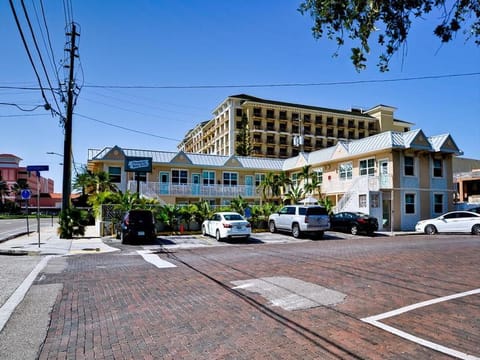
pixel 10 227
pixel 273 299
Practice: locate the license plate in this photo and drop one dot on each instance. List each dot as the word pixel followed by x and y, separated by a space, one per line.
pixel 141 233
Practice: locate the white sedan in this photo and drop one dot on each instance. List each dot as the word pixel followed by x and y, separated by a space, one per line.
pixel 224 225
pixel 455 221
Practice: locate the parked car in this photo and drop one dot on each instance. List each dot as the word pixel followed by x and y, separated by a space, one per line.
pixel 225 225
pixel 354 223
pixel 137 226
pixel 454 221
pixel 300 219
pixel 474 209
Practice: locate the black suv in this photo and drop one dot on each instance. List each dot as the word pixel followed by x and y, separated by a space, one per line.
pixel 138 226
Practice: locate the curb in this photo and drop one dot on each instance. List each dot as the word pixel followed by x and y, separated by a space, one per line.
pixel 15 236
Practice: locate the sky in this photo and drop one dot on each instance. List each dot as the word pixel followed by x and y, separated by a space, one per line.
pixel 197 53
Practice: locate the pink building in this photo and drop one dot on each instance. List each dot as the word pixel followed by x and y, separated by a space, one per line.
pixel 11 172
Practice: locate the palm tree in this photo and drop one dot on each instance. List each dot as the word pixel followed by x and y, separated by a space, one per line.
pixel 85 181
pixel 239 205
pixel 103 182
pixel 4 191
pixel 306 176
pixel 294 194
pixel 267 186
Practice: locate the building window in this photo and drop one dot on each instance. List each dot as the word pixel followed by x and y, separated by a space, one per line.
pixel 437 167
pixel 295 129
pixel 340 122
pixel 351 123
pixel 282 115
pixel 319 174
pixel 239 112
pixel 140 176
pixel 362 200
pixel 270 126
pixel 409 203
pixel 270 139
pixel 329 121
pixel 318 119
pixel 208 178
pixel 330 132
pixel 340 133
pixel 283 127
pixel 270 151
pixel 257 112
pixel 409 166
pixel 270 114
pixel 259 178
pixel 295 117
pixel 438 203
pixel 230 179
pixel 375 200
pixel 115 174
pixel 345 171
pixel 295 180
pixel 179 177
pixel 367 167
pixel 307 118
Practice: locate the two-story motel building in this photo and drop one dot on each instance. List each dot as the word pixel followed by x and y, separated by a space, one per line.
pixel 398 177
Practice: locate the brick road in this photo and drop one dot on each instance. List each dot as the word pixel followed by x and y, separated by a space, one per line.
pixel 117 306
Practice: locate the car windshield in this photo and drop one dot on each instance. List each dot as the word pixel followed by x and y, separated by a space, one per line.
pixel 233 217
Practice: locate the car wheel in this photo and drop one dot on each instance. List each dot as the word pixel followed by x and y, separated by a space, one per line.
pixel 354 230
pixel 430 230
pixel 271 227
pixel 296 231
pixel 204 231
pixel 476 229
pixel 217 235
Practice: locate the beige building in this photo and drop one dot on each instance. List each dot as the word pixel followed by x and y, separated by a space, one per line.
pixel 281 130
pixel 398 177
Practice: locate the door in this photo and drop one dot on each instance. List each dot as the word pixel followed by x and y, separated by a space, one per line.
pixel 249 185
pixel 384 175
pixel 195 184
pixel 164 183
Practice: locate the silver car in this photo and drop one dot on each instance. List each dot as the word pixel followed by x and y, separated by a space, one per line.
pixel 299 219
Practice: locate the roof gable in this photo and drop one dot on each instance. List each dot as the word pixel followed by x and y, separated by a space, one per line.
pixel 444 143
pixel 115 153
pixel 341 150
pixel 181 158
pixel 233 162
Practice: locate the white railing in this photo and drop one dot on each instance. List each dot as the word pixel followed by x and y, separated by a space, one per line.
pixel 156 190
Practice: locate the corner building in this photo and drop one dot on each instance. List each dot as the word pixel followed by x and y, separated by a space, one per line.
pixel 282 130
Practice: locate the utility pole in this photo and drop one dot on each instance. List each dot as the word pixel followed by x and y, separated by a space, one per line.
pixel 67 150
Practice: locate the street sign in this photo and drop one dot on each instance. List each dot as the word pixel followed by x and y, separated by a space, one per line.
pixel 37 168
pixel 25 194
pixel 138 164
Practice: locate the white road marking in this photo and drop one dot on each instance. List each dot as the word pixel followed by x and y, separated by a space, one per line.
pixel 374 320
pixel 16 298
pixel 155 259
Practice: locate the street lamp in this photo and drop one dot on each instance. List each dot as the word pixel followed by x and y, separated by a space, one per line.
pixel 54 153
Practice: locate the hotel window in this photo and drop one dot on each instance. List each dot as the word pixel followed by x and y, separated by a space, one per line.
pixel 319 173
pixel 271 126
pixel 179 177
pixel 294 129
pixel 340 122
pixel 295 117
pixel 345 171
pixel 257 112
pixel 438 203
pixel 295 180
pixel 437 167
pixel 115 174
pixel 340 133
pixel 282 115
pixel 362 200
pixel 367 167
pixel 307 117
pixel 330 132
pixel 409 203
pixel 230 179
pixel 259 178
pixel 257 125
pixel 239 112
pixel 318 119
pixel 351 123
pixel 270 114
pixel 270 139
pixel 208 178
pixel 409 166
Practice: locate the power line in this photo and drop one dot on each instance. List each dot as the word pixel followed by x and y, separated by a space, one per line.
pixel 28 51
pixel 40 55
pixel 332 83
pixel 127 129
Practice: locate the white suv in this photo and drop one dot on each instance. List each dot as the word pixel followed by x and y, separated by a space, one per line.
pixel 299 219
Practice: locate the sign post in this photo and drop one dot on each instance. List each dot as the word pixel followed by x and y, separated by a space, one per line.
pixel 138 165
pixel 26 194
pixel 37 169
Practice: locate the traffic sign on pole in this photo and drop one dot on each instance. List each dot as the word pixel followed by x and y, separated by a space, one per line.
pixel 25 194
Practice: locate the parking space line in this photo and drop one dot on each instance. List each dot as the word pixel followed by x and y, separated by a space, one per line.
pixel 154 259
pixel 374 320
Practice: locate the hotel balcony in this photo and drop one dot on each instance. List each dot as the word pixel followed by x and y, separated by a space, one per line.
pixel 157 190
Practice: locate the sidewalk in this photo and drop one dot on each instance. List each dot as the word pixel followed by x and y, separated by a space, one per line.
pixel 51 244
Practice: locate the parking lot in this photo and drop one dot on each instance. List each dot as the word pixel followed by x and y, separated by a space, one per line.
pixel 408 297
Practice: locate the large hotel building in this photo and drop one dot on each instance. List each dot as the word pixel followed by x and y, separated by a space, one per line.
pixel 282 130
